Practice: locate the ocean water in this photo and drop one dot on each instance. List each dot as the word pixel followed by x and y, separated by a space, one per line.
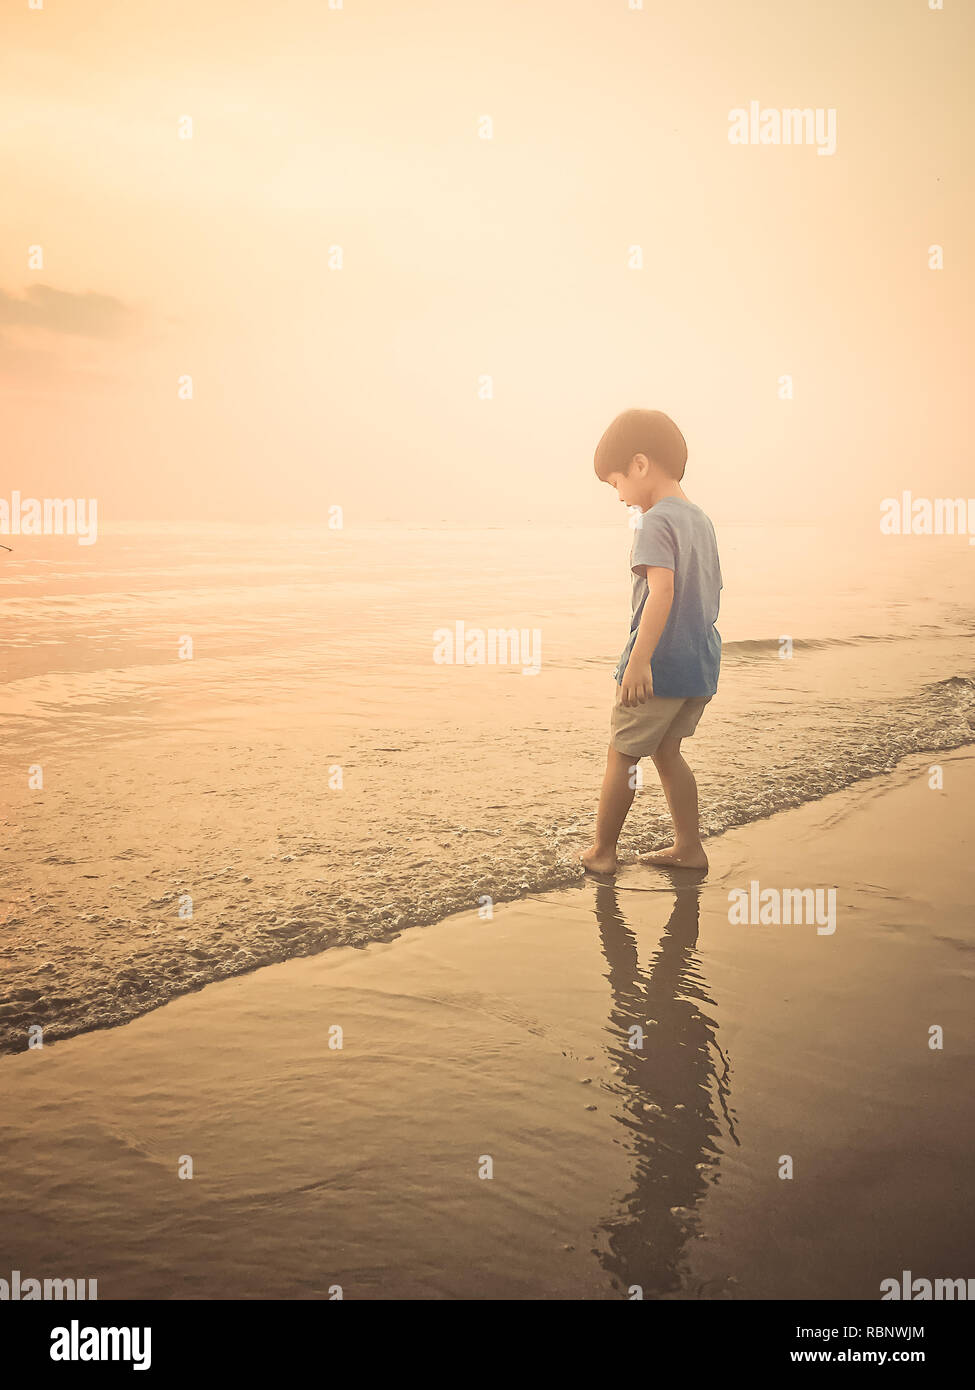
pixel 311 776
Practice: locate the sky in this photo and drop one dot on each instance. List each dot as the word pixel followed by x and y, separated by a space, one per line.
pixel 465 258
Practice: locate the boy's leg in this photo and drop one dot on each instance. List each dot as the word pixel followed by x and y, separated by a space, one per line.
pixel 680 789
pixel 615 800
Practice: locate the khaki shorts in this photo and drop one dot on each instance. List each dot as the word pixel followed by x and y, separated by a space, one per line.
pixel 639 729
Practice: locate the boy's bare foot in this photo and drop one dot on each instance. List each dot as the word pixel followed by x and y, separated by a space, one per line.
pixel 599 861
pixel 677 857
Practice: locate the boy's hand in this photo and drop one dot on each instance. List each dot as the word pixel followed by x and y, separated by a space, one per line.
pixel 637 686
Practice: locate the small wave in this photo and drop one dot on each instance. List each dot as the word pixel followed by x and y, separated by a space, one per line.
pixel 960 684
pixel 757 646
pixel 501 844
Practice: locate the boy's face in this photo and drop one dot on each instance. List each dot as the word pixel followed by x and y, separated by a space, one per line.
pixel 633 487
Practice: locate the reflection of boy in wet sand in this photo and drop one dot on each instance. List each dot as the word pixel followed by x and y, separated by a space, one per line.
pixel 669 668
pixel 664 1049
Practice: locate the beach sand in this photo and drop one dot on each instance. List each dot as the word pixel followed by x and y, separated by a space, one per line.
pixel 614 1169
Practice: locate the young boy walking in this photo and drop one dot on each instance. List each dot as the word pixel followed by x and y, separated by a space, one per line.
pixel 669 668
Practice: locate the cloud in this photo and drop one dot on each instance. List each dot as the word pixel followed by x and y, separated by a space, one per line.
pixel 58 311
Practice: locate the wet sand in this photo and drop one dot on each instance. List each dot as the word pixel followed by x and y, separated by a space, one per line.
pixel 316 1166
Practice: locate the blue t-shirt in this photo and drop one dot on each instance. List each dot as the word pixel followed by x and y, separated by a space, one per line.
pixel 678 536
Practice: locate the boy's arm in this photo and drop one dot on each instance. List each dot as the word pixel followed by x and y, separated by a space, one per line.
pixel 637 686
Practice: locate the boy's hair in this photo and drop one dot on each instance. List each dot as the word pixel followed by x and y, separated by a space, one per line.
pixel 649 432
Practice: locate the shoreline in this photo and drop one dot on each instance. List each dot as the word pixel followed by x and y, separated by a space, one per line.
pixel 101 966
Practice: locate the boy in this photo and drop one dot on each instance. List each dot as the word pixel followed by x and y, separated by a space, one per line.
pixel 669 668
